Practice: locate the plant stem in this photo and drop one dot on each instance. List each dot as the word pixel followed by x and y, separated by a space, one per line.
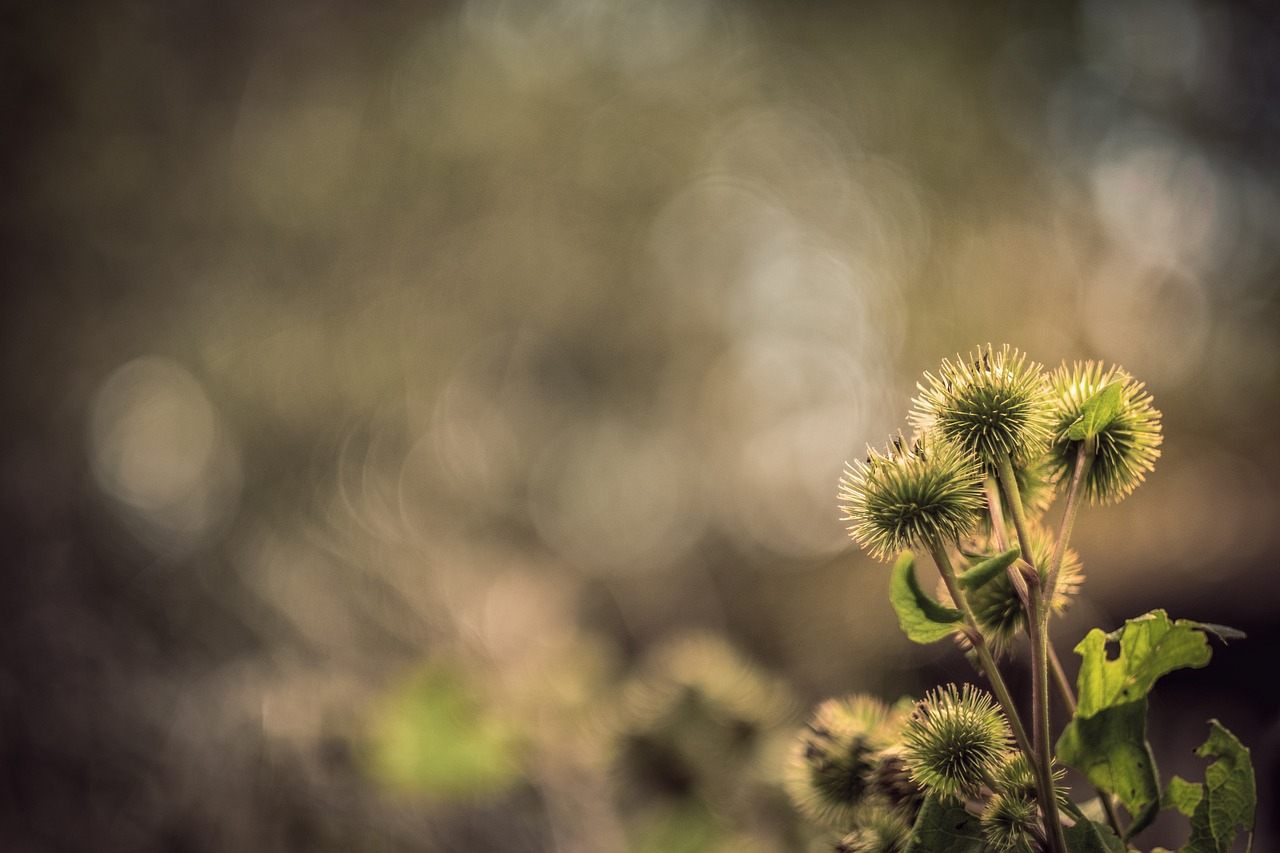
pixel 1085 453
pixel 996 512
pixel 1038 619
pixel 1069 699
pixel 980 647
pixel 1009 486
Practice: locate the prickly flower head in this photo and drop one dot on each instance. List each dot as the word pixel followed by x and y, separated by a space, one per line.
pixel 956 740
pixel 994 403
pixel 1010 824
pixel 911 497
pixel 998 608
pixel 1127 447
pixel 832 761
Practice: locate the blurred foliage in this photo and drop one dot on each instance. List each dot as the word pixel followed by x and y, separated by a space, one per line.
pixel 514 340
pixel 435 736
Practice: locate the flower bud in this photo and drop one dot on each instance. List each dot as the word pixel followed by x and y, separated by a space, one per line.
pixel 1127 447
pixel 992 404
pixel 913 497
pixel 996 605
pixel 833 760
pixel 955 740
pixel 1010 824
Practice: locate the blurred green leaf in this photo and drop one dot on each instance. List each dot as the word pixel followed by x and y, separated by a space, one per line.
pixel 685 827
pixel 921 618
pixel 435 736
pixel 1086 836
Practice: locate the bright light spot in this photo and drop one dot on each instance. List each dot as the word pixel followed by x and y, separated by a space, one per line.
pixel 1161 200
pixel 782 413
pixel 1154 321
pixel 615 498
pixel 157 447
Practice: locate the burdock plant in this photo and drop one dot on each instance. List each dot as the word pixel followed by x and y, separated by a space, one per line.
pixel 997 440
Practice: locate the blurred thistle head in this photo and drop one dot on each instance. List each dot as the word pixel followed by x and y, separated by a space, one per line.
pixel 996 605
pixel 911 496
pixel 830 771
pixel 698 710
pixel 879 830
pixel 1010 824
pixel 891 781
pixel 955 741
pixel 993 403
pixel 1127 447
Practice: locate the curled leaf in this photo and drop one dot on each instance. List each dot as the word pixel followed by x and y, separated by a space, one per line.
pixel 988 569
pixel 921 618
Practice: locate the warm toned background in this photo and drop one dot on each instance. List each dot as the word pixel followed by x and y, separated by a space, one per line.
pixel 391 391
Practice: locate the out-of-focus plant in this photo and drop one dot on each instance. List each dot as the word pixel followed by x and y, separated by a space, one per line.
pixel 694 737
pixel 963 770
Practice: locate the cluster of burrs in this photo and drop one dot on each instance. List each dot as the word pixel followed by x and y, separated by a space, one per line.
pixel 995 439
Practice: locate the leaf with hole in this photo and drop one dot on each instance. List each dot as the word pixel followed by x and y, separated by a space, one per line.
pixel 1106 740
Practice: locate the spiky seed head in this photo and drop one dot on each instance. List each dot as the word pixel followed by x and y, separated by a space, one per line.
pixel 956 739
pixel 1127 448
pixel 1015 777
pixel 830 769
pixel 993 403
pixel 1010 824
pixel 879 830
pixel 996 605
pixel 911 496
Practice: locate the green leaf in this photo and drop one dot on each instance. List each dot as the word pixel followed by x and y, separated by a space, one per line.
pixel 988 569
pixel 1087 836
pixel 1150 646
pixel 1097 413
pixel 434 734
pixel 1182 795
pixel 921 618
pixel 1106 740
pixel 1111 750
pixel 1224 805
pixel 945 828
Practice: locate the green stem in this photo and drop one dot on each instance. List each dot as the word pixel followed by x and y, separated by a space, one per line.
pixel 1069 699
pixel 1009 486
pixel 1085 453
pixel 996 513
pixel 1038 618
pixel 980 647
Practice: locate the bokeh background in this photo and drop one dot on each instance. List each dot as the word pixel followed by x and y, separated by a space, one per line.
pixel 421 421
